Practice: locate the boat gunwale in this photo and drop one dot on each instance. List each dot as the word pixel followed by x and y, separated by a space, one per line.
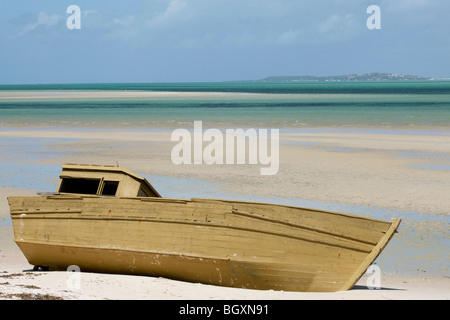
pixel 63 196
pixel 292 207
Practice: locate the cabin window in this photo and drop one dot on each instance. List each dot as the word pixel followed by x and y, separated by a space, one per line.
pixel 110 188
pixel 79 185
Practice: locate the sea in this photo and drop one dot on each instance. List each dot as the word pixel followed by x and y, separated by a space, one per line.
pixel 288 105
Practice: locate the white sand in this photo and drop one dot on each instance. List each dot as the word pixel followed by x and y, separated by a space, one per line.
pixel 61 95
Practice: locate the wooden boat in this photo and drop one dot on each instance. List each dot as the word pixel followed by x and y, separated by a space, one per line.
pixel 108 219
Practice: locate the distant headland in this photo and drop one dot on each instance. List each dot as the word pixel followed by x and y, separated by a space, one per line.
pixel 374 76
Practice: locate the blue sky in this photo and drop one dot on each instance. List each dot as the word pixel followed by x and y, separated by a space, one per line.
pixel 219 40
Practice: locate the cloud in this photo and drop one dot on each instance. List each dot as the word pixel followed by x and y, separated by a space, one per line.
pixel 127 30
pixel 288 37
pixel 44 22
pixel 89 12
pixel 338 27
pixel 176 11
pixel 402 5
pixel 236 23
pixel 127 21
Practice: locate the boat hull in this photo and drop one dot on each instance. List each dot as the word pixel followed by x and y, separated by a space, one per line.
pixel 227 243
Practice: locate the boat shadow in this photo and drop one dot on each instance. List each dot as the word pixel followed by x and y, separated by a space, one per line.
pixel 359 287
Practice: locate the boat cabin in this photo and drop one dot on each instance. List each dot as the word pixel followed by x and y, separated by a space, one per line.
pixel 103 180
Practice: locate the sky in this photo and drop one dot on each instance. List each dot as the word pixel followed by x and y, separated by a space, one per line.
pixel 219 40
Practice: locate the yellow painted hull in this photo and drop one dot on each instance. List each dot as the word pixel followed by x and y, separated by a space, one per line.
pixel 227 243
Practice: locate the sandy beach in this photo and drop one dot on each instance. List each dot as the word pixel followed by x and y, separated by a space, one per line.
pixel 381 174
pixel 59 95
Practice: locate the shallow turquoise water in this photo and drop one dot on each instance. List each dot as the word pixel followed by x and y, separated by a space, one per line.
pixel 249 104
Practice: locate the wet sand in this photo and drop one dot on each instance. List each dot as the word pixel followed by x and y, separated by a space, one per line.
pixel 394 171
